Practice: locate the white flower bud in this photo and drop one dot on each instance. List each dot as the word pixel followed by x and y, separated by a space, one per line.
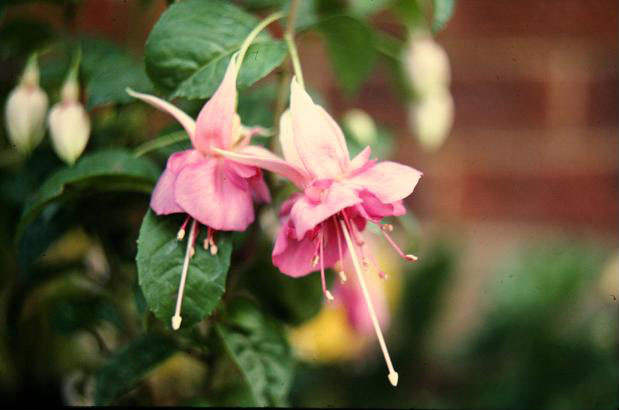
pixel 426 64
pixel 431 118
pixel 69 124
pixel 361 126
pixel 25 111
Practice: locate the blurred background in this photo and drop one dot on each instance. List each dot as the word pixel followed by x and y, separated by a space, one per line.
pixel 513 303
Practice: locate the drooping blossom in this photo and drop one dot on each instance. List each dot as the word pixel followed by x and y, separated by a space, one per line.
pixel 69 124
pixel 210 189
pixel 339 196
pixel 25 112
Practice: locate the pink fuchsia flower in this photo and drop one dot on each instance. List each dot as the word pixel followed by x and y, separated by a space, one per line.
pixel 333 188
pixel 339 196
pixel 209 188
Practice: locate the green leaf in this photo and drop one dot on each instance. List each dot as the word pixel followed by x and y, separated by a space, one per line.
pixel 257 345
pixel 350 44
pixel 109 170
pixel 129 365
pixel 443 10
pixel 189 48
pixel 255 105
pixel 109 71
pixel 365 8
pixel 160 261
pixel 161 142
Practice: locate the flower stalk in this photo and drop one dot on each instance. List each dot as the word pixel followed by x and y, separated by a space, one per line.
pixel 252 35
pixel 280 103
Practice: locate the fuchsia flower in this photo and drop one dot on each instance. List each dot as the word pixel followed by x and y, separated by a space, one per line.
pixel 209 188
pixel 333 186
pixel 338 197
pixel 199 182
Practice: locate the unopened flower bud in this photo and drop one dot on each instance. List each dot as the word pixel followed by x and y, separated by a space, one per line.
pixel 361 126
pixel 25 110
pixel 426 64
pixel 69 124
pixel 431 118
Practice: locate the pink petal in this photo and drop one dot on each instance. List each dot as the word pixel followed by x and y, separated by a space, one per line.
pixel 286 140
pixel 294 257
pixel 259 188
pixel 262 158
pixel 215 123
pixel 319 140
pixel 215 195
pixel 306 213
pixel 388 181
pixel 286 207
pixel 372 208
pixel 185 120
pixel 254 178
pixel 361 159
pixel 244 171
pixel 163 200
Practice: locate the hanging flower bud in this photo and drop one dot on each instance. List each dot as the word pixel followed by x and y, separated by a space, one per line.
pixel 426 64
pixel 431 118
pixel 25 110
pixel 69 124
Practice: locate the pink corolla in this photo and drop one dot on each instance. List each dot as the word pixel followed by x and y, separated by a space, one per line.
pixel 338 196
pixel 199 182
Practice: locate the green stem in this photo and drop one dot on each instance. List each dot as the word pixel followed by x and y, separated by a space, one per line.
pixel 75 65
pixel 294 55
pixel 285 76
pixel 252 35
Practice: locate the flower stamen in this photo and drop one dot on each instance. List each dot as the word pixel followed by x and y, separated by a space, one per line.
pixel 211 240
pixel 177 319
pixel 381 273
pixel 181 232
pixel 341 273
pixel 393 375
pixel 383 230
pixel 328 294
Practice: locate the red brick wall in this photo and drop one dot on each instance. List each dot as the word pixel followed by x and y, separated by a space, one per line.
pixel 535 136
